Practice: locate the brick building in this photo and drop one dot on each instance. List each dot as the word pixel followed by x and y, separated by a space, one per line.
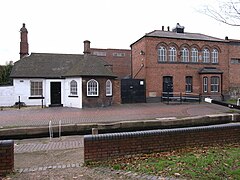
pixel 176 61
pixel 119 59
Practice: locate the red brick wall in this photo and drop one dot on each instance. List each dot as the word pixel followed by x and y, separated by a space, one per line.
pixel 6 157
pixel 154 71
pixel 97 101
pixel 121 66
pixel 117 91
pixel 108 146
pixel 234 71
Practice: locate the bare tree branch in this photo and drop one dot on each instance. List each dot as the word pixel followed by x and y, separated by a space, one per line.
pixel 227 12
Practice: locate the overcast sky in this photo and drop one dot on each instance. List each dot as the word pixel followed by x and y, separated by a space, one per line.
pixel 61 26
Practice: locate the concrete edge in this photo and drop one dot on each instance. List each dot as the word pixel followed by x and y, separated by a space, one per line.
pixel 123 126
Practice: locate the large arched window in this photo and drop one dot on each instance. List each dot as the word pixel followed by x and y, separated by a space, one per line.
pixel 162 54
pixel 73 87
pixel 194 55
pixel 92 88
pixel 172 54
pixel 206 56
pixel 108 88
pixel 185 55
pixel 215 56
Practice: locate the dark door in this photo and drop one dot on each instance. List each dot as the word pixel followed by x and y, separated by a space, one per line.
pixel 133 91
pixel 167 84
pixel 55 93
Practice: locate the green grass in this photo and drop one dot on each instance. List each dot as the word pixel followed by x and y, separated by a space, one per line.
pixel 221 162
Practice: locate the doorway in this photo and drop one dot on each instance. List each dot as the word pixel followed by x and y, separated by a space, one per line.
pixel 55 94
pixel 167 84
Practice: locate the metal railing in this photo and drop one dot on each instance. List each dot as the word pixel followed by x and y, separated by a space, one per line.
pixel 180 97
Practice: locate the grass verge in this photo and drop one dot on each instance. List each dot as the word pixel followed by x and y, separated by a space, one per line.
pixel 219 162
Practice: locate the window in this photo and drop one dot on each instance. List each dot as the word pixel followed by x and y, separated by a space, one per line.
pixel 194 55
pixel 119 54
pixel 162 54
pixel 99 53
pixel 92 88
pixel 206 56
pixel 188 84
pixel 205 84
pixel 108 88
pixel 214 84
pixel 235 61
pixel 73 87
pixel 172 54
pixel 185 55
pixel 36 88
pixel 215 56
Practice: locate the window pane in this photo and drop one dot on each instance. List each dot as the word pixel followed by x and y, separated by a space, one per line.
pixel 215 56
pixel 188 84
pixel 214 84
pixel 36 88
pixel 73 87
pixel 92 88
pixel 185 55
pixel 162 54
pixel 108 88
pixel 194 55
pixel 206 56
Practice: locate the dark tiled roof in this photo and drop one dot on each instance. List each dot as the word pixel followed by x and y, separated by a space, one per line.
pixel 46 65
pixel 210 70
pixel 185 35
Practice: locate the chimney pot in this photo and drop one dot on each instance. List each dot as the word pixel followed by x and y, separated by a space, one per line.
pixel 162 28
pixel 168 28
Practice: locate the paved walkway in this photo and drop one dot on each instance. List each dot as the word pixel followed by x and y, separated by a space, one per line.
pixel 41 117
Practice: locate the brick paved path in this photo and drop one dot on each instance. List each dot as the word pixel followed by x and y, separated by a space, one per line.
pixel 41 117
pixel 36 146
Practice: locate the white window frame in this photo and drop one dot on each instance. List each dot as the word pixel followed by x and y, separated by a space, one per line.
pixel 194 55
pixel 185 54
pixel 36 88
pixel 108 88
pixel 162 54
pixel 205 84
pixel 215 56
pixel 73 88
pixel 189 84
pixel 172 54
pixel 92 88
pixel 206 56
pixel 214 84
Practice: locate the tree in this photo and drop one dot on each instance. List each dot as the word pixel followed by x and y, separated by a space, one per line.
pixel 5 74
pixel 227 12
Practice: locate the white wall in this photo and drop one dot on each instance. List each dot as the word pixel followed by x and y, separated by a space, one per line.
pixel 7 96
pixel 73 101
pixel 10 94
pixel 65 92
pixel 22 89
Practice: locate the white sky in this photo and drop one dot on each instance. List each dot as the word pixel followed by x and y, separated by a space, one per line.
pixel 61 26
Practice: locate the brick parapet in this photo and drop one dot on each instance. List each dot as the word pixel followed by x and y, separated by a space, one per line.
pixel 6 157
pixel 113 145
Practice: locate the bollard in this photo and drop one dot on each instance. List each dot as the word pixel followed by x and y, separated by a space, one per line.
pixel 94 131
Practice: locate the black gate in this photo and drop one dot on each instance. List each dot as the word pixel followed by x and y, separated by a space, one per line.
pixel 133 91
pixel 56 94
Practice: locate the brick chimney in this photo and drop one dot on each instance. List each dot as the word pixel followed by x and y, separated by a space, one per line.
pixel 178 28
pixel 87 49
pixel 24 41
